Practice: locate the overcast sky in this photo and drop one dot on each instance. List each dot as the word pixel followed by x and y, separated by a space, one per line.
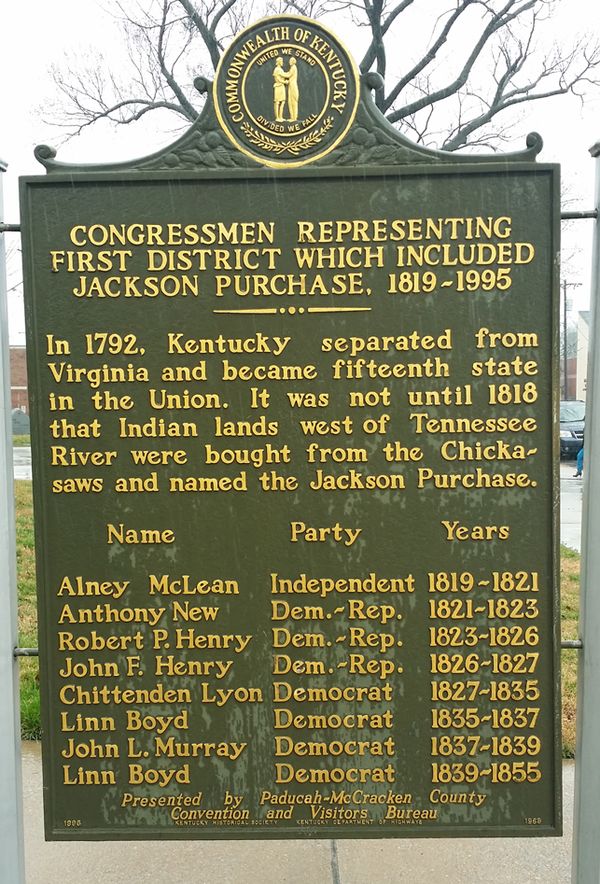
pixel 37 33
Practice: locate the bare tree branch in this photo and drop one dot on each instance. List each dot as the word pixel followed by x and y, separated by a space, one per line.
pixel 207 34
pixel 562 74
pixel 498 21
pixel 167 73
pixel 379 29
pixel 481 58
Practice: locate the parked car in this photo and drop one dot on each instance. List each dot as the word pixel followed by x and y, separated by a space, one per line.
pixel 572 417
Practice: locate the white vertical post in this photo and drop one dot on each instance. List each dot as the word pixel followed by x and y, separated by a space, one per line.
pixel 12 864
pixel 586 833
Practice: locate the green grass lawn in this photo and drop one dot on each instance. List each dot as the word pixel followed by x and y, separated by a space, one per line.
pixel 569 615
pixel 30 705
pixel 30 701
pixel 21 441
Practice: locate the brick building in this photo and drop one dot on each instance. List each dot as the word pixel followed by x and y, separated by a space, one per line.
pixel 18 379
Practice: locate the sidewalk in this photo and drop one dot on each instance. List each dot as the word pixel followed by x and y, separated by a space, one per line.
pixel 410 861
pixel 571 493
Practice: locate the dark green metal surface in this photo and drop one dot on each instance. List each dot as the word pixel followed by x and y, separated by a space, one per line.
pixel 178 338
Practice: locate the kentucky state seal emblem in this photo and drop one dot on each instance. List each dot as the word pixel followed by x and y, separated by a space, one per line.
pixel 286 91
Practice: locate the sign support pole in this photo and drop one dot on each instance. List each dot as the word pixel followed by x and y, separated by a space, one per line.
pixel 12 864
pixel 586 831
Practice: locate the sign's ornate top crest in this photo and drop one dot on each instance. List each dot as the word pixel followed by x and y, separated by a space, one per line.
pixel 286 91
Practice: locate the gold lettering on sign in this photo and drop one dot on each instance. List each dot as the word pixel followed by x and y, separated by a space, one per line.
pixel 288 452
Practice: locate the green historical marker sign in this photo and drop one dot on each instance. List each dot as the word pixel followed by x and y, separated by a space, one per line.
pixel 295 473
pixel 286 92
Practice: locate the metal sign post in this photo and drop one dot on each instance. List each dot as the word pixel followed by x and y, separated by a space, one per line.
pixel 11 815
pixel 586 845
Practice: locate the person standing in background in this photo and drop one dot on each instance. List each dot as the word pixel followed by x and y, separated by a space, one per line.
pixel 579 472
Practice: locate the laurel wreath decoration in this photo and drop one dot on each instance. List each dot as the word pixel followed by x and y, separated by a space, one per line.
pixel 293 147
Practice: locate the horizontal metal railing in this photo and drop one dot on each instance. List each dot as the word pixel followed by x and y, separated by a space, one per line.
pixel 568 644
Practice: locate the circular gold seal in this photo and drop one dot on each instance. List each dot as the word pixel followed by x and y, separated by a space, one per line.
pixel 286 91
